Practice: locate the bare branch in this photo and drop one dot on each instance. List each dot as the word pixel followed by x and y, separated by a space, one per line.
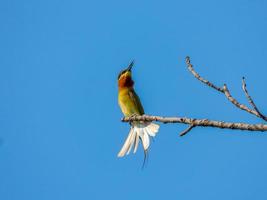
pixel 236 103
pixel 199 122
pixel 191 69
pixel 187 130
pixel 250 100
pixel 226 92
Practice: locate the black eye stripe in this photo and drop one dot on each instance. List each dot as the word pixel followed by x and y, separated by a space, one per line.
pixel 122 72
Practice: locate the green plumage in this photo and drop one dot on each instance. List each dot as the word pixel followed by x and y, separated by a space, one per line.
pixel 130 102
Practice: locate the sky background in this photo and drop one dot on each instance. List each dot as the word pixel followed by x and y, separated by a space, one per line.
pixel 60 128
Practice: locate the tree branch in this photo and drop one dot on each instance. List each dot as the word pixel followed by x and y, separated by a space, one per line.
pixel 236 103
pixel 191 69
pixel 198 122
pixel 227 93
pixel 258 113
pixel 187 130
pixel 210 123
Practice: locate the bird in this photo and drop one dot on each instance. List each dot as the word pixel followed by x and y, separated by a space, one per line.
pixel 130 105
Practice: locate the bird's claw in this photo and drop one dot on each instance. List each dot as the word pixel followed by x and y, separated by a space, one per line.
pixel 133 115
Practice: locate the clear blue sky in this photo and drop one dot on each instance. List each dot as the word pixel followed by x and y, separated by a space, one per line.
pixel 60 123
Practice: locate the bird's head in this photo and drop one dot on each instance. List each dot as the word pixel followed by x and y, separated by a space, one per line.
pixel 125 77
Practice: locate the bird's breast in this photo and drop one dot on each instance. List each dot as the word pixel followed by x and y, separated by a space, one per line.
pixel 127 103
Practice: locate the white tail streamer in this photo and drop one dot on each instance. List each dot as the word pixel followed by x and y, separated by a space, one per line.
pixel 139 131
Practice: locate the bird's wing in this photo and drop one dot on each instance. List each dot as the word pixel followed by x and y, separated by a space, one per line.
pixel 136 101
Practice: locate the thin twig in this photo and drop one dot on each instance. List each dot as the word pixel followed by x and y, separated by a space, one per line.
pixel 199 122
pixel 208 83
pixel 250 100
pixel 236 103
pixel 187 130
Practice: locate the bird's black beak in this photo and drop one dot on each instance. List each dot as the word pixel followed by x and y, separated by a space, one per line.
pixel 129 68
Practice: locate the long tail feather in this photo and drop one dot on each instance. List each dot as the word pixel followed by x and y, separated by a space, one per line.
pixel 136 142
pixel 126 144
pixel 139 131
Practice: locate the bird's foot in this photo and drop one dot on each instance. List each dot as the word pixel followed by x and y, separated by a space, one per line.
pixel 133 115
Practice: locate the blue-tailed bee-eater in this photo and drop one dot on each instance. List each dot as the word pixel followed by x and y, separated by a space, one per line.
pixel 130 105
